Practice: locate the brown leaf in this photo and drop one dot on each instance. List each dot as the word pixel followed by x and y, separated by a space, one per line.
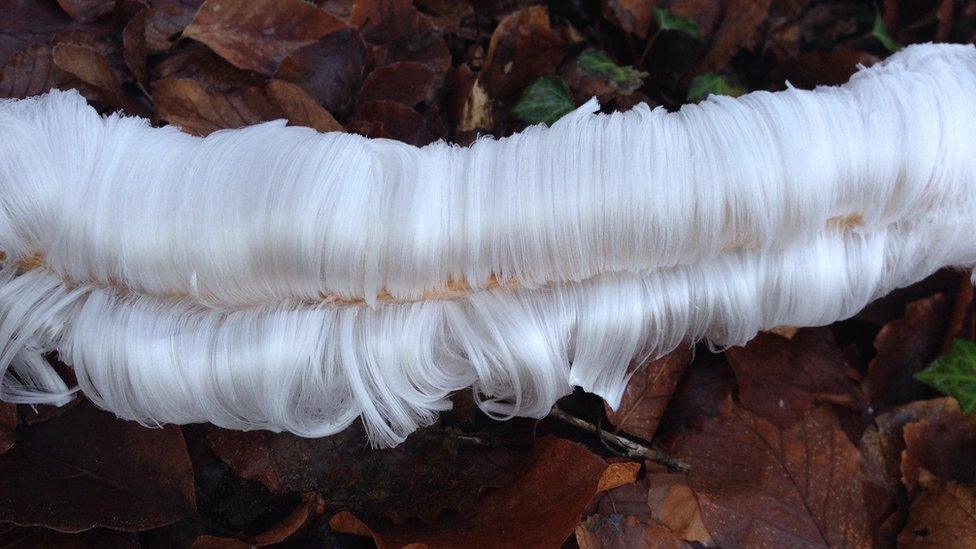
pixel 779 379
pixel 632 16
pixel 943 516
pixel 310 506
pixel 736 31
pixel 187 104
pixel 134 49
pixel 674 505
pixel 394 121
pixel 27 23
pixel 540 509
pixel 299 108
pixel 330 70
pixel 648 393
pixel 258 34
pixel 762 485
pixel 405 82
pixel 945 447
pixel 428 473
pixel 623 531
pixel 522 48
pixel 618 474
pixel 90 469
pixel 8 422
pixel 198 63
pixel 89 66
pixel 905 347
pixel 166 20
pixel 31 71
pixel 86 11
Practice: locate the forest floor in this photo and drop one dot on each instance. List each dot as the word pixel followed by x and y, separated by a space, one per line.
pixel 803 438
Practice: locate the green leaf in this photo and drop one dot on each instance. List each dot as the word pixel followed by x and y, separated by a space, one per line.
pixel 627 79
pixel 710 83
pixel 955 374
pixel 881 33
pixel 667 22
pixel 545 101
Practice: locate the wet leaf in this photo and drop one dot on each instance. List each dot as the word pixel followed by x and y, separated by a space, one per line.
pixel 259 34
pixel 761 485
pixel 955 374
pixel 86 11
pixel 880 32
pixel 90 469
pixel 544 102
pixel 627 79
pixel 943 516
pixel 648 393
pixel 665 21
pixel 904 347
pixel 540 509
pixel 710 83
pixel 780 379
pixel 523 48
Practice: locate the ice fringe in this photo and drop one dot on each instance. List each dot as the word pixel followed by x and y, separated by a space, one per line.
pixel 275 278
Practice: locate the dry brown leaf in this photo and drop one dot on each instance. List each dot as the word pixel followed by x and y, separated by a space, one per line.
pixel 523 47
pixel 944 447
pixel 779 379
pixel 185 103
pixel 31 71
pixel 758 484
pixel 673 504
pixel 624 532
pixel 134 49
pixel 540 509
pixel 648 393
pixel 405 82
pixel 737 30
pixel 330 70
pixel 166 20
pixel 8 422
pixel 258 34
pixel 299 108
pixel 618 474
pixel 904 347
pixel 942 516
pixel 391 120
pixel 89 66
pixel 86 11
pixel 89 469
pixel 632 16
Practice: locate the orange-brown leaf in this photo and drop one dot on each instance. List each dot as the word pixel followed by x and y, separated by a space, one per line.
pixel 648 393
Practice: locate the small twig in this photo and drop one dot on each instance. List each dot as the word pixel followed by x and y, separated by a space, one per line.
pixel 631 449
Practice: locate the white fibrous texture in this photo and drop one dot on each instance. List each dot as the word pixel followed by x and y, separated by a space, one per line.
pixel 272 277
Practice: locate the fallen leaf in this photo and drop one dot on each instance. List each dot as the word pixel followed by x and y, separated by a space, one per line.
pixel 86 11
pixel 540 509
pixel 601 531
pixel 632 16
pixel 166 20
pixel 299 108
pixel 618 474
pixel 648 393
pixel 29 23
pixel 421 477
pixel 90 469
pixel 185 103
pixel 944 447
pixel 523 48
pixel 405 82
pixel 780 379
pixel 31 536
pixel 399 32
pixel 259 34
pixel 89 66
pixel 710 83
pixel 391 120
pixel 31 71
pixel 943 516
pixel 737 30
pixel 626 79
pixel 134 50
pixel 904 347
pixel 8 422
pixel 674 504
pixel 664 20
pixel 330 70
pixel 284 529
pixel 758 484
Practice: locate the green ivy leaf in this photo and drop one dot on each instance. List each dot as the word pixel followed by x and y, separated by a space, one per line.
pixel 880 32
pixel 545 101
pixel 627 79
pixel 955 374
pixel 710 83
pixel 667 22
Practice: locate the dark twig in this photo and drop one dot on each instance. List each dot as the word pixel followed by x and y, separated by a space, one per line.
pixel 630 448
